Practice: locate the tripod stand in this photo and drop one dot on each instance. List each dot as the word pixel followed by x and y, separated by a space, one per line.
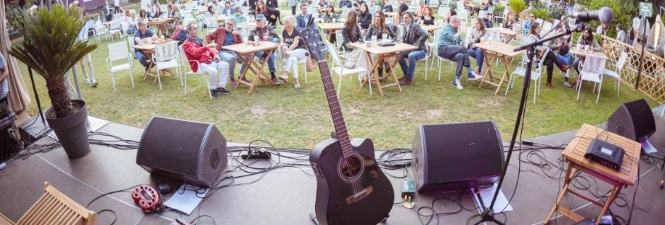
pixel 488 214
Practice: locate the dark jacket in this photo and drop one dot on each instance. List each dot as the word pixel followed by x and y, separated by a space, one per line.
pixel 365 20
pixel 416 36
pixel 348 38
pixel 345 4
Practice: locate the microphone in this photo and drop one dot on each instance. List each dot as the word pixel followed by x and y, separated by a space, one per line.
pixel 605 15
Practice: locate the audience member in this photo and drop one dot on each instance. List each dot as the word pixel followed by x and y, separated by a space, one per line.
pixel 143 36
pixel 416 36
pixel 264 33
pixel 550 57
pixel 293 50
pixel 477 34
pixel 449 48
pixel 208 61
pixel 224 36
pixel 378 29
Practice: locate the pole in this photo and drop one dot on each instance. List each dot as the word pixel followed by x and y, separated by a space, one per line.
pixel 488 215
pixel 643 41
pixel 34 89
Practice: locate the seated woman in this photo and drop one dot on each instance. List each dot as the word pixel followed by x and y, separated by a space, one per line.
pixel 330 17
pixel 143 15
pixel 427 18
pixel 478 33
pixel 293 51
pixel 586 39
pixel 210 12
pixel 272 15
pixel 351 34
pixel 364 17
pixel 550 58
pixel 451 13
pixel 563 52
pixel 510 21
pixel 386 6
pixel 378 29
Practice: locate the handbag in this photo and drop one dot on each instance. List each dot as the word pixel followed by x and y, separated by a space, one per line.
pixel 349 65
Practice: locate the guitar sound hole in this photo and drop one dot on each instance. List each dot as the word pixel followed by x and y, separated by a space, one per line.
pixel 352 167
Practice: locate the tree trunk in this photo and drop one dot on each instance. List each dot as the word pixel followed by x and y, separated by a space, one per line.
pixel 57 91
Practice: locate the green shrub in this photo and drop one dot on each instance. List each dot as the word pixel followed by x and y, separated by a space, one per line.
pixel 541 13
pixel 499 8
pixel 557 11
pixel 517 6
pixel 620 16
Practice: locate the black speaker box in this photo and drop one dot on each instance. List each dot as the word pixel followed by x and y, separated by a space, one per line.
pixel 189 151
pixel 457 156
pixel 633 120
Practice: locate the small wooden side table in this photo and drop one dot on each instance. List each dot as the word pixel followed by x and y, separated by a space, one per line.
pixel 574 154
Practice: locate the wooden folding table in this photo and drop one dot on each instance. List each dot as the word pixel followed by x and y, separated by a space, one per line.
pixel 496 51
pixel 574 154
pixel 246 54
pixel 384 54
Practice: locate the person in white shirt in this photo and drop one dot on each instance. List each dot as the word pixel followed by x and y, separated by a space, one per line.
pixel 116 6
pixel 621 35
pixel 602 29
pixel 637 21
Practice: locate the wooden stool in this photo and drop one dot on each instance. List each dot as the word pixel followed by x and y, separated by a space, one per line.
pixel 574 154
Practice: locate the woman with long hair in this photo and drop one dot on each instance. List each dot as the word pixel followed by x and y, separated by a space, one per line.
pixel 294 49
pixel 364 16
pixel 479 31
pixel 378 29
pixel 427 18
pixel 510 20
pixel 550 58
pixel 330 16
pixel 143 15
pixel 272 15
pixel 351 34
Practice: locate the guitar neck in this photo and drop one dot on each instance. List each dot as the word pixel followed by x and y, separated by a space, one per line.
pixel 335 110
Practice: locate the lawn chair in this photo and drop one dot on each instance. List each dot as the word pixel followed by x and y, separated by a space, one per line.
pixel 592 71
pixel 616 74
pixel 165 56
pixel 119 51
pixel 185 63
pixel 536 73
pixel 338 68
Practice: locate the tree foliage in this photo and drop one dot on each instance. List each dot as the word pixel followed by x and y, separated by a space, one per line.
pixel 51 49
pixel 620 16
pixel 517 6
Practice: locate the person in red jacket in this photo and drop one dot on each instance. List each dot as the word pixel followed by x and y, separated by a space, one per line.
pixel 223 36
pixel 204 59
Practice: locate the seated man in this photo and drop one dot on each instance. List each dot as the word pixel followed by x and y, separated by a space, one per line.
pixel 265 33
pixel 449 48
pixel 143 35
pixel 488 21
pixel 302 19
pixel 414 35
pixel 208 61
pixel 223 36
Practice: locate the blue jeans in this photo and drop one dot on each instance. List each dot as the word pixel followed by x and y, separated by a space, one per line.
pixel 477 53
pixel 231 58
pixel 413 56
pixel 143 59
pixel 271 60
pixel 576 65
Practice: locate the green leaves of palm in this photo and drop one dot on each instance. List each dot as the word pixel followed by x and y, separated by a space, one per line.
pixel 50 48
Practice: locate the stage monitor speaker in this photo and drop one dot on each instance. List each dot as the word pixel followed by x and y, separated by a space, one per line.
pixel 189 151
pixel 457 156
pixel 633 120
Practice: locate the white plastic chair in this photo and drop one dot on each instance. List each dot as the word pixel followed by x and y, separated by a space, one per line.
pixel 99 30
pixel 338 68
pixel 443 11
pixel 536 73
pixel 592 71
pixel 165 56
pixel 435 51
pixel 125 27
pixel 115 29
pixel 185 63
pixel 119 51
pixel 615 74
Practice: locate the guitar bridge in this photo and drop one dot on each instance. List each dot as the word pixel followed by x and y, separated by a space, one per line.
pixel 360 195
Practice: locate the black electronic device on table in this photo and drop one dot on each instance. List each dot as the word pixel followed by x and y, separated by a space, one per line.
pixel 605 153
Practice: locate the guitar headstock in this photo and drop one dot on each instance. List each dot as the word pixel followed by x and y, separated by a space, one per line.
pixel 314 43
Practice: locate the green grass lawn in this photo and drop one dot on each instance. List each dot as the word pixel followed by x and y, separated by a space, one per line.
pixel 288 117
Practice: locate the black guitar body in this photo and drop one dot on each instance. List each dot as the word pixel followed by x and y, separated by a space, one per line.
pixel 365 201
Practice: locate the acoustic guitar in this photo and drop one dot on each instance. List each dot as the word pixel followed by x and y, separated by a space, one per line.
pixel 351 188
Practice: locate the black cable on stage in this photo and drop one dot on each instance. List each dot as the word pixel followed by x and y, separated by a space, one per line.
pixel 195 220
pixel 108 193
pixel 115 217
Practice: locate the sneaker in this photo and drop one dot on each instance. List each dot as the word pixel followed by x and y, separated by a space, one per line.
pixel 214 93
pixel 275 82
pixel 474 76
pixel 296 86
pixel 567 84
pixel 458 85
pixel 87 82
pixel 94 84
pixel 223 91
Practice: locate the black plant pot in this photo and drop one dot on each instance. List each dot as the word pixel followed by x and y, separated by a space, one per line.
pixel 72 131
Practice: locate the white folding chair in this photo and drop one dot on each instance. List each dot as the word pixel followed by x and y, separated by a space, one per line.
pixel 165 56
pixel 616 74
pixel 338 68
pixel 99 30
pixel 119 51
pixel 443 11
pixel 435 51
pixel 185 63
pixel 592 71
pixel 536 73
pixel 115 29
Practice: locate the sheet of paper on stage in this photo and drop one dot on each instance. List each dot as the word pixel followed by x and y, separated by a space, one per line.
pixel 648 147
pixel 186 199
pixel 486 194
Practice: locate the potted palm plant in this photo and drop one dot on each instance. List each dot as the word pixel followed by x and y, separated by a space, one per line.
pixel 51 49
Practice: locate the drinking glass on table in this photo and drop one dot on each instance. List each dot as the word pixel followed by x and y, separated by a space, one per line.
pixel 373 38
pixel 256 38
pixel 384 36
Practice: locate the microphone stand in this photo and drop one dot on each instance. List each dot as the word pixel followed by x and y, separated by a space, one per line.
pixel 488 214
